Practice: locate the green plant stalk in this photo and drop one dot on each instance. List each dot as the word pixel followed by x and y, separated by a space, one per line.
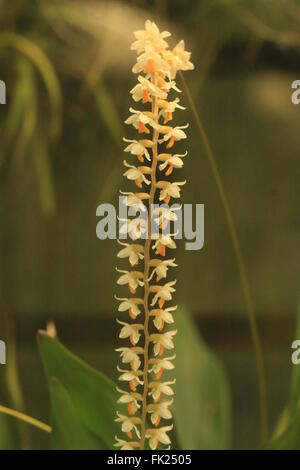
pixel 241 268
pixel 12 384
pixel 146 271
pixel 45 67
pixel 25 418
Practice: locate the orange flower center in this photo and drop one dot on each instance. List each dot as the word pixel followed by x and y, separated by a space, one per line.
pixel 131 314
pixel 132 386
pixel 131 340
pixel 150 66
pixel 171 142
pixel 146 97
pixel 161 251
pixel 143 128
pixel 167 199
pixel 169 170
pixel 130 409
pixel 157 421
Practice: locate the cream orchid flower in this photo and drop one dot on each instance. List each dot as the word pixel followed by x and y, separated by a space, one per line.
pixel 163 341
pixel 158 365
pixel 169 190
pixel 130 331
pixel 150 36
pixel 173 161
pixel 165 215
pixel 131 356
pixel 182 57
pixel 173 134
pixel 132 377
pixel 151 61
pixel 124 445
pixel 137 174
pixel 130 399
pixel 157 389
pixel 129 424
pixel 132 278
pixel 134 252
pixel 135 200
pixel 139 120
pixel 162 316
pixel 168 108
pixel 136 228
pixel 139 148
pixel 160 410
pixel 178 59
pixel 162 243
pixel 163 293
pixel 158 435
pixel 132 305
pixel 145 90
pixel 161 267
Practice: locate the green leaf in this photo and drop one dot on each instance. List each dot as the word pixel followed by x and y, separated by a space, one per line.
pixel 93 395
pixel 68 431
pixel 289 439
pixel 44 176
pixel 295 381
pixel 202 400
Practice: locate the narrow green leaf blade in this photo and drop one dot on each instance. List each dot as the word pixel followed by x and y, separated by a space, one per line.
pixel 93 395
pixel 289 439
pixel 68 431
pixel 202 399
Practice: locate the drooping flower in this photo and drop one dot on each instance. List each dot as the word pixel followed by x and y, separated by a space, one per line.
pixel 137 174
pixel 131 331
pixel 125 445
pixel 160 410
pixel 131 356
pixel 132 305
pixel 157 389
pixel 162 316
pixel 139 148
pixel 133 251
pixel 169 190
pixel 157 435
pixel 162 341
pixel 132 278
pixel 145 90
pixel 160 267
pixel 129 423
pixel 162 293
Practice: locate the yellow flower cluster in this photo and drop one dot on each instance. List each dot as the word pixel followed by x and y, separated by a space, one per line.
pixel 148 398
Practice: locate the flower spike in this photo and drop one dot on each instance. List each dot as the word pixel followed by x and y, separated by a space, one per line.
pixel 146 398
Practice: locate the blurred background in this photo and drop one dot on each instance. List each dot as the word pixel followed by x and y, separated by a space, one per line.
pixel 67 68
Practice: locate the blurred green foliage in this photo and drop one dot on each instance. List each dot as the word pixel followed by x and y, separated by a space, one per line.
pixel 67 67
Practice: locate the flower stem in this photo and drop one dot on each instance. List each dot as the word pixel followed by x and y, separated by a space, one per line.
pixel 241 268
pixel 25 418
pixel 147 257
